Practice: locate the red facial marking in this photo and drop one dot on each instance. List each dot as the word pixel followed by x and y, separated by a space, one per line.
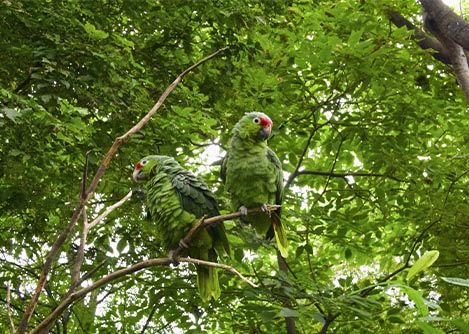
pixel 138 165
pixel 266 121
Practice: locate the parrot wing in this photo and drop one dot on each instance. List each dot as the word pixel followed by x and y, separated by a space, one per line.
pixel 223 167
pixel 277 226
pixel 279 176
pixel 195 197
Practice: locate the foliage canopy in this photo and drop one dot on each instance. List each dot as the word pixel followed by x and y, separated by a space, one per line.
pixel 371 131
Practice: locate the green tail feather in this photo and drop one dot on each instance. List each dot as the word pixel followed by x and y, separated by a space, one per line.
pixel 280 235
pixel 207 282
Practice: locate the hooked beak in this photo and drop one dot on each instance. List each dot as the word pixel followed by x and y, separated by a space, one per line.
pixel 138 175
pixel 265 131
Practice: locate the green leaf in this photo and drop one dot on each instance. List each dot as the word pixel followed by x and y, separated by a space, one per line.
pixel 12 114
pixel 288 313
pixel 318 316
pixel 456 281
pixel 95 33
pixel 424 262
pixel 461 324
pixel 396 319
pixel 427 329
pixel 417 298
pixel 268 316
pixel 354 37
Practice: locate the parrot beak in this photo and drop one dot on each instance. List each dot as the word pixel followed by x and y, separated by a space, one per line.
pixel 265 131
pixel 138 175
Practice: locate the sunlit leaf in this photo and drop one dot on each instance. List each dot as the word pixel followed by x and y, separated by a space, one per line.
pixel 423 263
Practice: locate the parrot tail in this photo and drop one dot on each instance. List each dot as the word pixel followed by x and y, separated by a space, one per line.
pixel 207 280
pixel 280 235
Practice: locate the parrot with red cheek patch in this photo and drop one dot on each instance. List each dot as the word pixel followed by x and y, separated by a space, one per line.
pixel 253 176
pixel 176 199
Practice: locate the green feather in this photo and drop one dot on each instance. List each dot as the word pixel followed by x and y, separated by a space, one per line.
pixel 176 200
pixel 253 176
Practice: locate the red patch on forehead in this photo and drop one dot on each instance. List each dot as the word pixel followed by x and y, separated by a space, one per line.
pixel 265 121
pixel 138 165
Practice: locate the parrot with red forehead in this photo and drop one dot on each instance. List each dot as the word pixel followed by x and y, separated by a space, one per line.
pixel 253 176
pixel 176 199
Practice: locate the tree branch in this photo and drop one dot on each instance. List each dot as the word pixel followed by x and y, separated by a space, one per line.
pixel 205 222
pixel 453 26
pixel 109 209
pixel 89 192
pixel 424 40
pixel 343 175
pixel 453 32
pixel 10 318
pixel 75 296
pixel 217 265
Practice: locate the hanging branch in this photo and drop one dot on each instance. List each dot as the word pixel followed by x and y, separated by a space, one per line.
pixel 75 296
pixel 90 191
pixel 10 318
pixel 72 297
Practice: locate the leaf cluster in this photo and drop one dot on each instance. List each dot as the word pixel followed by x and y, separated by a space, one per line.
pixel 371 131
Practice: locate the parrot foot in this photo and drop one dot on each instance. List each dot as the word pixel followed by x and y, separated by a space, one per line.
pixel 265 209
pixel 243 210
pixel 172 256
pixel 182 244
pixel 174 253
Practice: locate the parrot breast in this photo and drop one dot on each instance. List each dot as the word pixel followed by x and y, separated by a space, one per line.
pixel 250 181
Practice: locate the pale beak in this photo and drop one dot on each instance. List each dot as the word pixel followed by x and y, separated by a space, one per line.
pixel 138 175
pixel 265 131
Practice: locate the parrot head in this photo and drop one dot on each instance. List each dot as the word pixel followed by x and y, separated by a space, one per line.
pixel 254 125
pixel 144 168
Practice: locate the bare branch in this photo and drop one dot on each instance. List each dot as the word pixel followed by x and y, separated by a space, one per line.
pixel 343 175
pixel 424 40
pixel 10 318
pixel 204 222
pixel 80 256
pixel 89 192
pixel 124 272
pixel 217 265
pixel 108 210
pixel 453 32
pixel 447 22
pixel 460 65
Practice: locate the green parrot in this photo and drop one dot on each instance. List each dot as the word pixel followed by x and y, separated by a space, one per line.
pixel 176 199
pixel 253 176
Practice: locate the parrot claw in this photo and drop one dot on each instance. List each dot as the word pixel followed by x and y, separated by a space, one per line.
pixel 265 209
pixel 182 244
pixel 243 210
pixel 174 253
pixel 172 256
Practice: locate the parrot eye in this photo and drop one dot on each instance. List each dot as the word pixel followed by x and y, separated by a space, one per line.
pixel 256 120
pixel 143 162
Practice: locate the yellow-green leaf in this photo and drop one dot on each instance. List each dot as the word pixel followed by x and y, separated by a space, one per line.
pixel 424 262
pixel 95 33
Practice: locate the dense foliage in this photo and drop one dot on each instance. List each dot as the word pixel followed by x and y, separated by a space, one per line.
pixel 371 131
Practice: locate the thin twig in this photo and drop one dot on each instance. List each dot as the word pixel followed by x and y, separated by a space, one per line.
pixel 89 192
pixel 10 318
pixel 217 265
pixel 343 175
pixel 108 210
pixel 80 256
